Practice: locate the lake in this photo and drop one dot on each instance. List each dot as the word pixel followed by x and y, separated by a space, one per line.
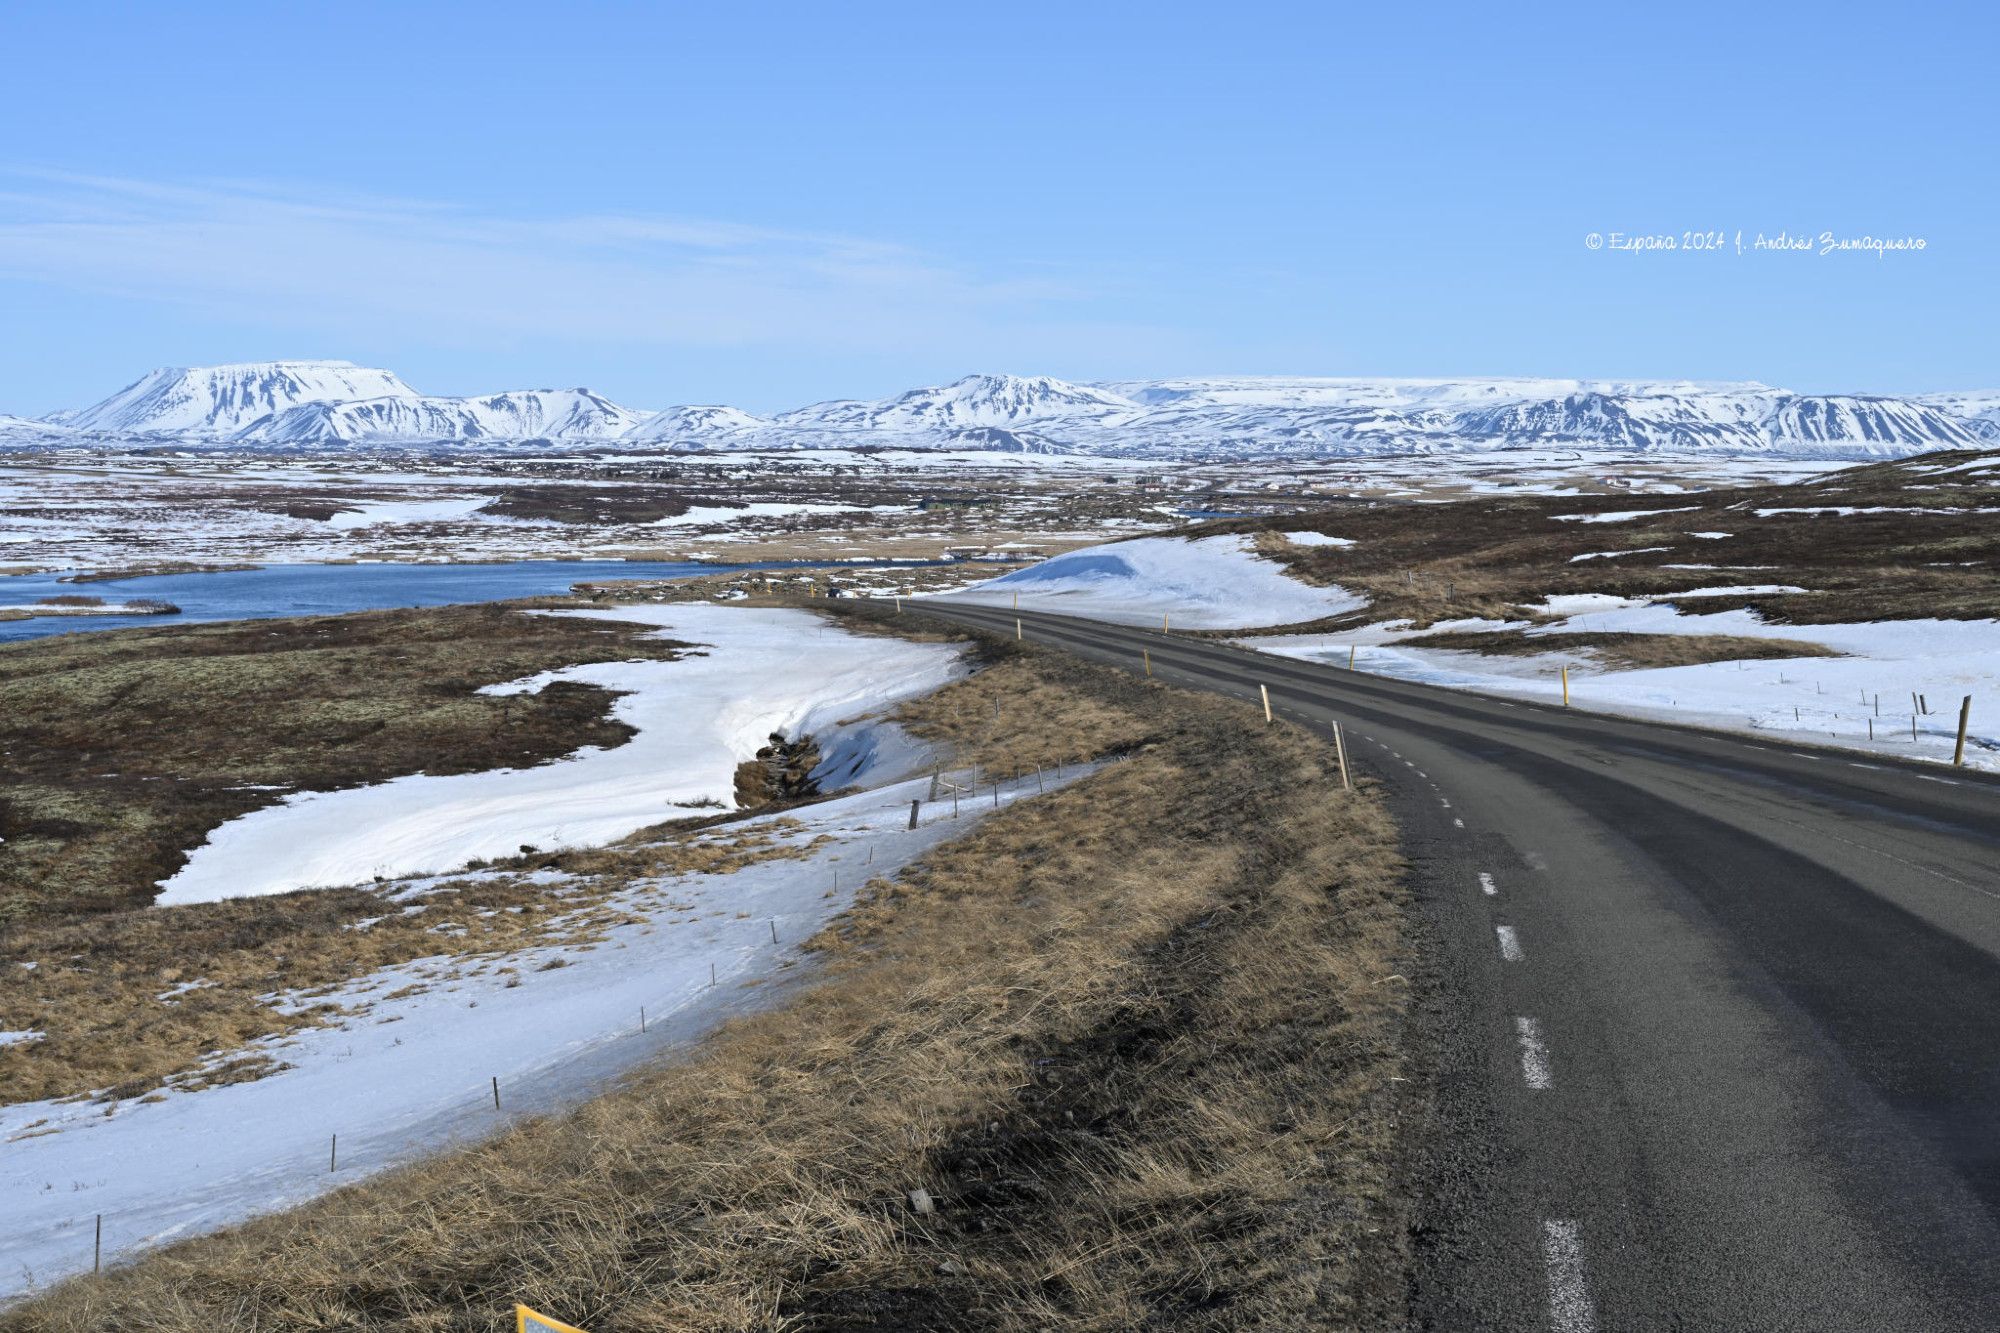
pixel 313 590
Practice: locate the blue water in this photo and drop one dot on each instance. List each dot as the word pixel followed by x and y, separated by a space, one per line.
pixel 310 590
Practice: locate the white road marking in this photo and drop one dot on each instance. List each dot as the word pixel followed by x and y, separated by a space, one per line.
pixel 1510 944
pixel 1443 802
pixel 1487 886
pixel 1535 1067
pixel 1570 1306
pixel 1458 823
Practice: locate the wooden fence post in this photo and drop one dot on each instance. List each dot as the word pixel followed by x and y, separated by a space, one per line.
pixel 913 813
pixel 1964 717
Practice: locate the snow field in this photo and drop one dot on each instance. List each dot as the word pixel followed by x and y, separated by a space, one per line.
pixel 756 672
pixel 1822 700
pixel 1205 583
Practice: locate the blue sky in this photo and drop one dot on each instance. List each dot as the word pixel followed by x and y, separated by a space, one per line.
pixel 782 203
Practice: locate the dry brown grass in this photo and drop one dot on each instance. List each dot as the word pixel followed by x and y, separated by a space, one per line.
pixel 1626 652
pixel 1919 540
pixel 1135 1038
pixel 131 1001
pixel 120 751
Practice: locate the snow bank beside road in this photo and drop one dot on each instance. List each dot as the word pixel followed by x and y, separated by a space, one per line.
pixel 758 671
pixel 1823 700
pixel 1206 583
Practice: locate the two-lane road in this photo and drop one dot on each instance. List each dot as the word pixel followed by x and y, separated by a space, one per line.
pixel 1710 1027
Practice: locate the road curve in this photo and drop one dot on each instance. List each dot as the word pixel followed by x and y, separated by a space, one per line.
pixel 1709 1026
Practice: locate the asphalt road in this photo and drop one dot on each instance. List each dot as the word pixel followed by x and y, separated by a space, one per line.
pixel 1708 1027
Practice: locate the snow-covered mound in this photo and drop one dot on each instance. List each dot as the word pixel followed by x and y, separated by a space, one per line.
pixel 1204 583
pixel 215 401
pixel 546 414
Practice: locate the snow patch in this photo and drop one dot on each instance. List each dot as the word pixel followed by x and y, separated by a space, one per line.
pixel 1205 583
pixel 1621 515
pixel 757 672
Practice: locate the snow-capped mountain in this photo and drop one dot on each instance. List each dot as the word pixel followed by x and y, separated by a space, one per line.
pixel 320 404
pixel 1979 410
pixel 1893 425
pixel 700 426
pixel 216 401
pixel 533 414
pixel 976 400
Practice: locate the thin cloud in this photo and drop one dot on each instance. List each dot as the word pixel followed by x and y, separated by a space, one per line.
pixel 346 263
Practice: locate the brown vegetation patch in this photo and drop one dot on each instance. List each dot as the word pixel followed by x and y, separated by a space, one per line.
pixel 1134 1040
pixel 131 1001
pixel 121 751
pixel 1626 652
pixel 1931 549
pixel 146 571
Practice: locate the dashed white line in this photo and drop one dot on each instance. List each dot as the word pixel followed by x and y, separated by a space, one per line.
pixel 1458 823
pixel 1443 802
pixel 1570 1307
pixel 1510 944
pixel 1535 1066
pixel 1487 886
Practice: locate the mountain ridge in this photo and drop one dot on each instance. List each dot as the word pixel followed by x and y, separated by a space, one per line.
pixel 318 404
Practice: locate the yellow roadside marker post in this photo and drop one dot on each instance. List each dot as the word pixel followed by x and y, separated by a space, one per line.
pixel 528 1321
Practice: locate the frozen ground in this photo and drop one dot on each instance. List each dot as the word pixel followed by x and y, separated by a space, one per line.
pixel 1207 583
pixel 407 1075
pixel 754 673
